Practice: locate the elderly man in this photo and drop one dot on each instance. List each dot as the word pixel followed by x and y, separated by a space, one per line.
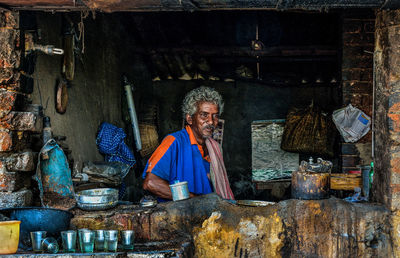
pixel 191 154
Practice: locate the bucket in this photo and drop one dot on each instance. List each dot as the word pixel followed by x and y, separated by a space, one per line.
pixel 180 191
pixel 9 236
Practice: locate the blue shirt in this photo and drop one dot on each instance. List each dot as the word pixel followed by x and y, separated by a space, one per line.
pixel 180 157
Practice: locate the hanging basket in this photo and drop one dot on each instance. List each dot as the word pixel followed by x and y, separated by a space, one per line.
pixel 149 136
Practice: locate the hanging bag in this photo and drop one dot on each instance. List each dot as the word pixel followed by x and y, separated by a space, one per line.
pixel 308 131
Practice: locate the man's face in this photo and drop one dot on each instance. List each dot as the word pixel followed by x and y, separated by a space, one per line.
pixel 205 120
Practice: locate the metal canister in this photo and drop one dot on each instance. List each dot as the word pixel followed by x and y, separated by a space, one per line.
pixel 310 185
pixel 180 191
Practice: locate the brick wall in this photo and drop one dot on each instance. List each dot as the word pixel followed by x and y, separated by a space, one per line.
pixel 16 162
pixel 357 78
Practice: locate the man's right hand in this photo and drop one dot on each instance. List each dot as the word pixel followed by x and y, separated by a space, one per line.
pixel 157 186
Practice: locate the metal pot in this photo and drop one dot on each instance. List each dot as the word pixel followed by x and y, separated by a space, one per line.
pixel 38 219
pixel 97 199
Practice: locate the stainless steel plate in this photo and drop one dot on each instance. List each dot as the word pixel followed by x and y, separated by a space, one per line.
pixel 254 203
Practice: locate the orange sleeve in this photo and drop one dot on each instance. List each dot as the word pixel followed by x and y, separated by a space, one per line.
pixel 159 152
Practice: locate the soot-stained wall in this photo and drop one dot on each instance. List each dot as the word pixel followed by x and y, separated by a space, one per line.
pixel 96 91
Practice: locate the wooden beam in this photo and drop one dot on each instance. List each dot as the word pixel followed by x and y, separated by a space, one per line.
pixel 286 51
pixel 16 3
pixel 190 5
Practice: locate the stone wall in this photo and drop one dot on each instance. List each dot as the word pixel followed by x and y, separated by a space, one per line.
pixel 387 109
pixel 357 72
pixel 16 161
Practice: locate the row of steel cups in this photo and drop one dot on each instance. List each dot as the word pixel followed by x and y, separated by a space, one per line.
pixel 89 241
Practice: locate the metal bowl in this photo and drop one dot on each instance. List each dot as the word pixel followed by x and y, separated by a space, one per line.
pixel 97 199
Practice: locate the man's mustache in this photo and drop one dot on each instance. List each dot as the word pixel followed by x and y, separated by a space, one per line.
pixel 209 127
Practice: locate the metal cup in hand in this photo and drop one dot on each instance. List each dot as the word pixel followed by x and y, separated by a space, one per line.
pixel 180 191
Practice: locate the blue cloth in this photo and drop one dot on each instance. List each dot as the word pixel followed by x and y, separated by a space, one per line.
pixel 181 161
pixel 110 142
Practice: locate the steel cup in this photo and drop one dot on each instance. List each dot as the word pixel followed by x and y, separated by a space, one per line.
pixel 111 240
pixel 69 241
pixel 127 239
pixel 37 238
pixel 99 240
pixel 180 191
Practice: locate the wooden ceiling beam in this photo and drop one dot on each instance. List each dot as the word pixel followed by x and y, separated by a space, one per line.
pixel 16 3
pixel 193 5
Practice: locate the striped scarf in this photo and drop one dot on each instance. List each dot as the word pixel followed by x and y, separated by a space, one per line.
pixel 218 174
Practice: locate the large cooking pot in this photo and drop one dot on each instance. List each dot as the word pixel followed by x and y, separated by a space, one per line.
pixel 38 219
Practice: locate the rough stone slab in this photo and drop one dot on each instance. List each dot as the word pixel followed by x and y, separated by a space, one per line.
pixel 9 19
pixel 21 198
pixel 24 161
pixel 7 101
pixel 10 181
pixel 11 86
pixel 5 141
pixel 14 141
pixel 291 228
pixel 22 121
pixel 6 75
pixel 9 54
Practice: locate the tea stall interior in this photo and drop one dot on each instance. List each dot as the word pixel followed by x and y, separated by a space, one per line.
pixel 266 62
pixel 164 55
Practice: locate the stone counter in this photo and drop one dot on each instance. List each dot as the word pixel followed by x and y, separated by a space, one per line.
pixel 177 248
pixel 291 228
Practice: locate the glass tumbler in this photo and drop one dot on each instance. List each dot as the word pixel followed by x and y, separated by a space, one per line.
pixel 37 238
pixel 127 239
pixel 69 241
pixel 50 245
pixel 99 240
pixel 111 240
pixel 86 240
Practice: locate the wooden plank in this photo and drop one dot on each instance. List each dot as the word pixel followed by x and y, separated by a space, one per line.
pixel 345 181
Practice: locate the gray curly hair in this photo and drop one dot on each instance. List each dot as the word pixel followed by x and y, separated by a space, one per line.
pixel 201 94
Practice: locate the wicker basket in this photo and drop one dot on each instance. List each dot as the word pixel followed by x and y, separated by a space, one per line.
pixel 149 137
